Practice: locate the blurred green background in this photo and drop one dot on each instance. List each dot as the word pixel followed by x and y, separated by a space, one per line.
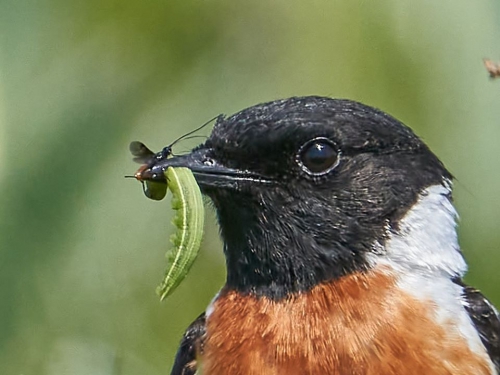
pixel 83 249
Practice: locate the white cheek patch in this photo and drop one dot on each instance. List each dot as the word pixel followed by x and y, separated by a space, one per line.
pixel 426 240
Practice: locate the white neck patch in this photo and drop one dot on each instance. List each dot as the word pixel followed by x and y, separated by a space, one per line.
pixel 426 240
pixel 424 255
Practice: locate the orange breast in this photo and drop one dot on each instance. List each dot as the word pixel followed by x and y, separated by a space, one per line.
pixel 360 324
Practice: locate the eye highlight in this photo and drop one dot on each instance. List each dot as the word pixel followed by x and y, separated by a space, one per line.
pixel 318 156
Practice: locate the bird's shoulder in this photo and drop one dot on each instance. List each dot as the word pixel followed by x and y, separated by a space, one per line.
pixel 485 318
pixel 190 348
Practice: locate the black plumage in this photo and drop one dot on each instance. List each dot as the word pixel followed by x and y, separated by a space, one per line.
pixel 190 348
pixel 322 224
pixel 485 318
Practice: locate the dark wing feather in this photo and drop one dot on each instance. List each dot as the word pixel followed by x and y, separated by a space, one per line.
pixel 486 320
pixel 191 347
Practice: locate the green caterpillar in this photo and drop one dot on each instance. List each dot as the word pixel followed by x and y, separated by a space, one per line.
pixel 189 219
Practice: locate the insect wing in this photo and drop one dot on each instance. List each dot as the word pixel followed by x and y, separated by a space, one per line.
pixel 141 153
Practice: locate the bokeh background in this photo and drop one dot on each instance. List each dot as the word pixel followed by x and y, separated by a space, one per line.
pixel 82 249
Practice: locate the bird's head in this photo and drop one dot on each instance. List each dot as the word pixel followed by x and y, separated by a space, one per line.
pixel 308 189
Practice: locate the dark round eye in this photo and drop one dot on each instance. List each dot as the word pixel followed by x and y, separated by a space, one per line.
pixel 318 156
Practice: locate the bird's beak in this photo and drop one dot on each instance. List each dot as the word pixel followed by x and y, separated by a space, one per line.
pixel 207 170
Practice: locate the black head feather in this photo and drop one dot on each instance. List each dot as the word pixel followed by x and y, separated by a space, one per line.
pixel 287 228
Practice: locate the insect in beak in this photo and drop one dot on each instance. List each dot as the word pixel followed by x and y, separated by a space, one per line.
pixel 152 189
pixel 156 190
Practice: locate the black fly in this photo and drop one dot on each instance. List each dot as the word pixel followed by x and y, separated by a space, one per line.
pixel 143 155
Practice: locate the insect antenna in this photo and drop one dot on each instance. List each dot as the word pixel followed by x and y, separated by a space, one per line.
pixel 185 139
pixel 167 150
pixel 194 131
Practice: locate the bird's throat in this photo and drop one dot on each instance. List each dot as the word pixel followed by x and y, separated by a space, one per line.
pixel 269 253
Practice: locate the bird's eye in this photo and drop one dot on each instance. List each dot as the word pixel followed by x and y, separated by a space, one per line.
pixel 318 156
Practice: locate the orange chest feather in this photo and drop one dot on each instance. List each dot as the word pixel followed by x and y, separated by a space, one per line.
pixel 361 324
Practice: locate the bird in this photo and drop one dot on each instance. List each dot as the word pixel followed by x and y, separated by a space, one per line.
pixel 342 257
